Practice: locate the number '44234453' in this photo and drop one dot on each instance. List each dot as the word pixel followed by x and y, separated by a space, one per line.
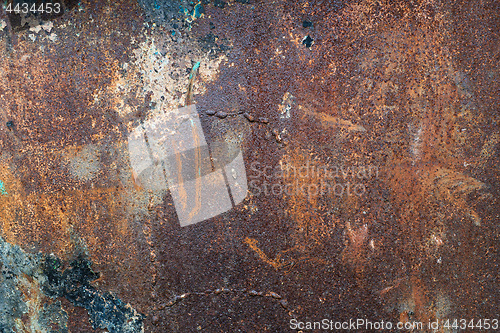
pixel 25 8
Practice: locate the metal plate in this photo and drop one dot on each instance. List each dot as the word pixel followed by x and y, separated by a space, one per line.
pixel 354 149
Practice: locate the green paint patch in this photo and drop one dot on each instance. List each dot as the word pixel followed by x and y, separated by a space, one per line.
pixel 194 70
pixel 198 10
pixel 196 13
pixel 3 191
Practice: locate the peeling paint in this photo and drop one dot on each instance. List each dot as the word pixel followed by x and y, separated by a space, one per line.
pixel 30 283
pixel 3 191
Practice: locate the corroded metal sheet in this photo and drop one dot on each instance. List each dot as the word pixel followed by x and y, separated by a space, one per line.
pixel 250 166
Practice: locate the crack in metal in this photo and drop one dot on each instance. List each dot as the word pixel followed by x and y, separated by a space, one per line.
pixel 246 292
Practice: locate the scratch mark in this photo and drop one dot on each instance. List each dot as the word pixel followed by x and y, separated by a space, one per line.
pixel 244 292
pixel 192 78
pixel 278 262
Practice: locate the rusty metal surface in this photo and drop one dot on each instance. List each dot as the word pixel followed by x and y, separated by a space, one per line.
pixel 370 135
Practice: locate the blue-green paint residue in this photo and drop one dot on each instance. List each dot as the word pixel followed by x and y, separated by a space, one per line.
pixel 74 282
pixel 105 310
pixel 3 191
pixel 194 70
pixel 197 12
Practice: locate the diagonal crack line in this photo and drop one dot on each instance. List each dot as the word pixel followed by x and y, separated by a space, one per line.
pixel 245 292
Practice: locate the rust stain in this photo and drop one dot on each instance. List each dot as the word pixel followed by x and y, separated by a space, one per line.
pixel 281 262
pixel 303 201
pixel 276 262
pixel 328 120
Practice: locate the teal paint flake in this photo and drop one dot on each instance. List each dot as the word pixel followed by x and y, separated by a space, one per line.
pixel 194 70
pixel 197 12
pixel 3 191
